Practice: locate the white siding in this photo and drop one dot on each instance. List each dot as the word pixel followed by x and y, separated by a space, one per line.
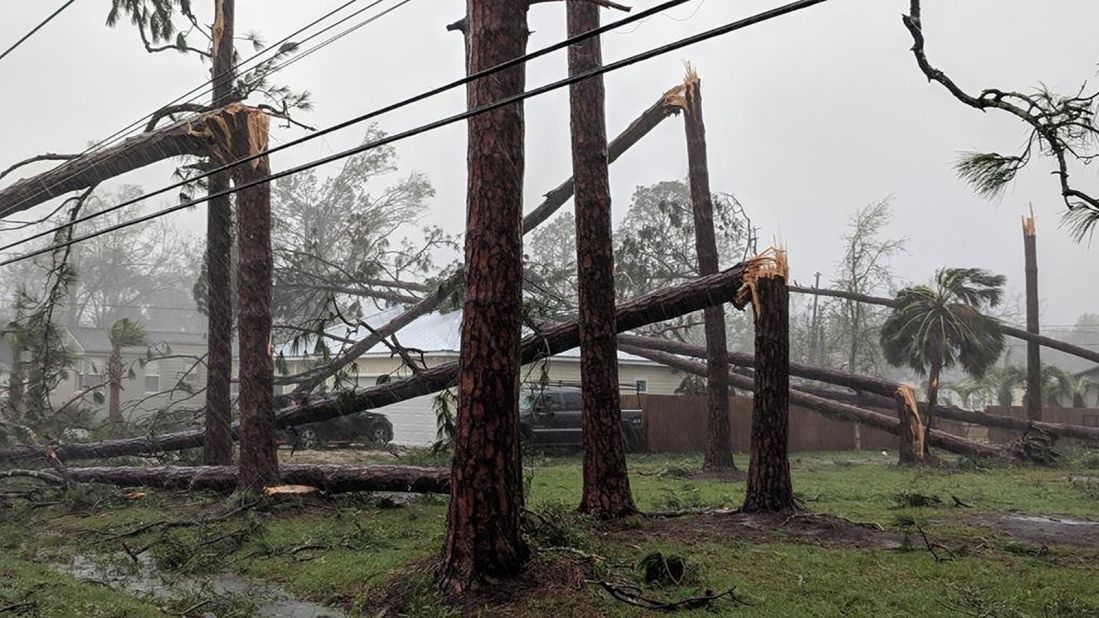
pixel 413 421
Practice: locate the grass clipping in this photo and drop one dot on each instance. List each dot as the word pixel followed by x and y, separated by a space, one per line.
pixel 769 264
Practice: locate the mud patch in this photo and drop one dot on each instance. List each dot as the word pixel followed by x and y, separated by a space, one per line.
pixel 1042 530
pixel 803 527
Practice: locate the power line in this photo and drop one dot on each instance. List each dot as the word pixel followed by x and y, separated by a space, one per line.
pixel 129 129
pixel 363 118
pixel 431 126
pixel 36 29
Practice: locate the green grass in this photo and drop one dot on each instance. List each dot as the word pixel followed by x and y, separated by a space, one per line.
pixel 347 551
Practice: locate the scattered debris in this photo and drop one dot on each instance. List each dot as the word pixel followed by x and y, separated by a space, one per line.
pixel 633 595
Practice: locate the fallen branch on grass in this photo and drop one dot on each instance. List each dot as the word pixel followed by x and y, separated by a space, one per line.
pixel 328 478
pixel 632 595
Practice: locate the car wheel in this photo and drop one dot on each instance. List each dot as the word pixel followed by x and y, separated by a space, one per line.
pixel 380 435
pixel 308 439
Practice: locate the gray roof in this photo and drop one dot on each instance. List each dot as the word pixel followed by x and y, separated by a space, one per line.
pixel 98 340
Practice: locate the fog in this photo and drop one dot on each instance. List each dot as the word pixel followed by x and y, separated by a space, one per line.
pixel 810 117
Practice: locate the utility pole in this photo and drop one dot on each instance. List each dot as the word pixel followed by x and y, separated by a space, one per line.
pixel 218 442
pixel 1033 351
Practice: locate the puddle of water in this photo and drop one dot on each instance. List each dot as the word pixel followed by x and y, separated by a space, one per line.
pixel 144 581
pixel 1036 519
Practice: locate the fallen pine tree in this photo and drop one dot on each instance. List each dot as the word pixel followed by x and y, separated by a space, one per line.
pixel 874 392
pixel 197 136
pixel 832 408
pixel 327 478
pixel 656 306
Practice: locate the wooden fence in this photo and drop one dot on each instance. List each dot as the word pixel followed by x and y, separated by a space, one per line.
pixel 1088 417
pixel 677 424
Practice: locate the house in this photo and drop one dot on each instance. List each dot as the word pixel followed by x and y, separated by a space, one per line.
pixel 435 339
pixel 170 373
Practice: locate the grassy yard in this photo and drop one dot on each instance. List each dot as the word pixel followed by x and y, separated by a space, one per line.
pixel 858 550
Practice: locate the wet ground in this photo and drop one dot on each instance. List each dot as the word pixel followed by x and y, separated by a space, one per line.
pixel 143 580
pixel 1042 530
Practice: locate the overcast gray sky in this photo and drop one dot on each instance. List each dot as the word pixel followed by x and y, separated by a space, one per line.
pixel 810 117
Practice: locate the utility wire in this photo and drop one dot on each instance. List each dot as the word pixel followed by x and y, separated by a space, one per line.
pixel 431 126
pixel 36 29
pixel 363 118
pixel 129 129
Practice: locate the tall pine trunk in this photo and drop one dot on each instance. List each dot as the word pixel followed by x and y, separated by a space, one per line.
pixel 719 441
pixel 259 465
pixel 769 486
pixel 483 540
pixel 217 446
pixel 606 481
pixel 1033 350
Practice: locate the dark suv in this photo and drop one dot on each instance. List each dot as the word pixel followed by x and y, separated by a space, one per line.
pixel 371 427
pixel 550 418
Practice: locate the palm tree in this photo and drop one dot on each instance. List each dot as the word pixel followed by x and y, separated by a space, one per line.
pixel 1059 387
pixel 942 325
pixel 124 333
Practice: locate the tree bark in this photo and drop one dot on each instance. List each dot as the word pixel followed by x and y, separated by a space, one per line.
pixel 606 491
pixel 327 478
pixel 1033 351
pixel 554 200
pixel 657 306
pixel 217 447
pixel 769 486
pixel 1010 331
pixel 911 436
pixel 258 453
pixel 483 540
pixel 719 442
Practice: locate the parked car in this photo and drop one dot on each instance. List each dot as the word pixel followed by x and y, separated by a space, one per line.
pixel 370 427
pixel 550 418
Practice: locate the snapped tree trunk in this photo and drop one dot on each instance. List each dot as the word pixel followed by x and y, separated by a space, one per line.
pixel 1033 350
pixel 769 486
pixel 606 491
pixel 114 387
pixel 719 442
pixel 217 447
pixel 657 306
pixel 483 539
pixel 259 464
pixel 911 438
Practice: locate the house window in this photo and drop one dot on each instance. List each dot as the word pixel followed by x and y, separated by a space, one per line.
pixel 152 377
pixel 642 386
pixel 89 376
